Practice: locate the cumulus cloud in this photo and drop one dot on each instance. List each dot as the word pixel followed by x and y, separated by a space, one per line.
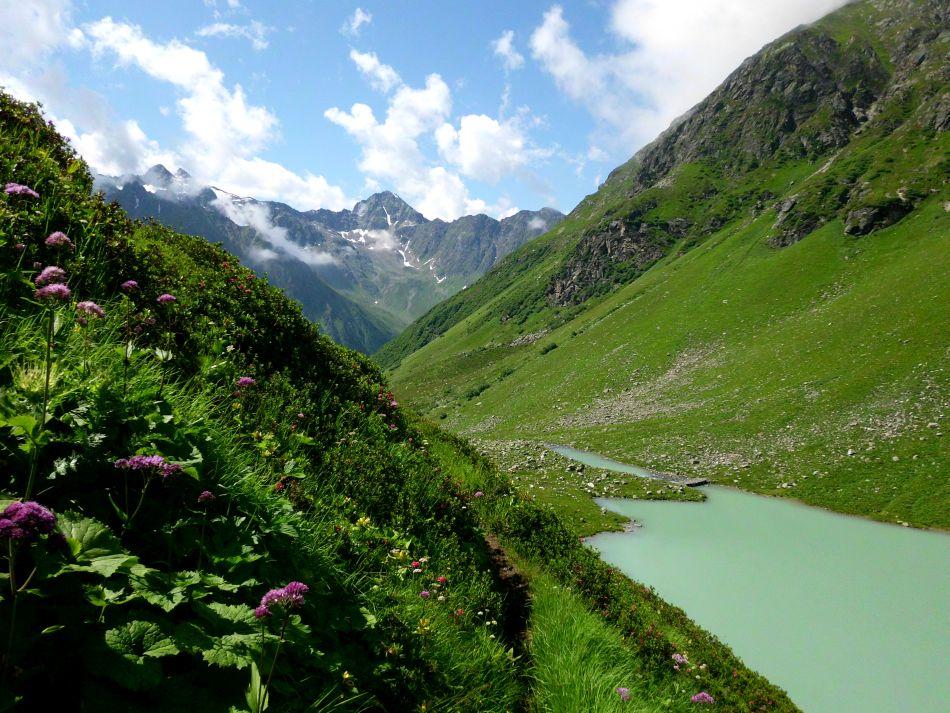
pixel 255 32
pixel 352 24
pixel 225 130
pixel 258 216
pixel 504 47
pixel 30 30
pixel 482 147
pixel 381 76
pixel 678 51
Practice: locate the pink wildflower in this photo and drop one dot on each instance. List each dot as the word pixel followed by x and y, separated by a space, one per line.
pixel 50 274
pixel 129 286
pixel 245 381
pixel 704 698
pixel 55 291
pixel 425 594
pixel 17 189
pixel 90 308
pixel 623 692
pixel 166 298
pixel 206 496
pixel 59 240
pixel 26 521
pixel 441 579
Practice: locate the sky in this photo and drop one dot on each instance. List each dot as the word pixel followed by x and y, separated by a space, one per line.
pixel 460 108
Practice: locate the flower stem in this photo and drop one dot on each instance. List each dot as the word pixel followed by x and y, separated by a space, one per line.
pixel 34 461
pixel 13 601
pixel 273 664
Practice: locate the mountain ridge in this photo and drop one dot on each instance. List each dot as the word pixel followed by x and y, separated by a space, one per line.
pixel 362 273
pixel 739 300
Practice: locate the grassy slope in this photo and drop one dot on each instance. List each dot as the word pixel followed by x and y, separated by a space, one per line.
pixel 766 365
pixel 316 475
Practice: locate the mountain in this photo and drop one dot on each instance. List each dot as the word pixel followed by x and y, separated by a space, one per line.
pixel 363 274
pixel 210 506
pixel 759 296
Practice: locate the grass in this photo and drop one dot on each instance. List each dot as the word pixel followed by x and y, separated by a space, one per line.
pixel 578 661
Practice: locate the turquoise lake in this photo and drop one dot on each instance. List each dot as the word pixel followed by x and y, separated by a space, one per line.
pixel 844 613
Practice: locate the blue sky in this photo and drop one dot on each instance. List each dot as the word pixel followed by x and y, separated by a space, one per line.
pixel 458 107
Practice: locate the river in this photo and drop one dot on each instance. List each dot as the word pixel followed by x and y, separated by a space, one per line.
pixel 844 613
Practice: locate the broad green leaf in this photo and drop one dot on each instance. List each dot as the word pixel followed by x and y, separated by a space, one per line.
pixel 233 650
pixel 133 648
pixel 88 538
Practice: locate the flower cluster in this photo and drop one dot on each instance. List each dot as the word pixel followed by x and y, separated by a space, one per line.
pixel 166 298
pixel 290 596
pixel 89 308
pixel 245 381
pixel 205 496
pixel 703 697
pixel 17 189
pixel 129 286
pixel 49 274
pixel 58 240
pixel 149 465
pixel 54 291
pixel 26 521
pixel 623 692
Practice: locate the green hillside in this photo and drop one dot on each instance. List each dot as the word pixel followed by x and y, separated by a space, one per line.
pixel 759 296
pixel 208 505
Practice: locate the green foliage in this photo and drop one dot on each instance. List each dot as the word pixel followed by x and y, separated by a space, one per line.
pixel 143 596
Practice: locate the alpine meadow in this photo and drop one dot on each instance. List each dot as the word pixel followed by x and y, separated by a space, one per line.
pixel 269 446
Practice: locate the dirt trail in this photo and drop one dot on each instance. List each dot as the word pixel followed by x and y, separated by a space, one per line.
pixel 517 602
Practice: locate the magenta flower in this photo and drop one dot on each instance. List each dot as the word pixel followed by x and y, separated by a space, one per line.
pixel 166 298
pixel 245 381
pixel 55 291
pixel 290 596
pixel 425 594
pixel 148 465
pixel 623 692
pixel 26 521
pixel 50 274
pixel 441 579
pixel 206 496
pixel 19 246
pixel 479 494
pixel 90 308
pixel 703 698
pixel 59 240
pixel 17 189
pixel 129 286
pixel 680 659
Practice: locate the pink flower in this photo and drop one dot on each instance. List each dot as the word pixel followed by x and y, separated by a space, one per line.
pixel 59 240
pixel 206 496
pixel 479 494
pixel 129 286
pixel 261 612
pixel 290 596
pixel 425 594
pixel 703 698
pixel 55 291
pixel 90 308
pixel 50 274
pixel 245 381
pixel 623 692
pixel 17 189
pixel 166 298
pixel 441 579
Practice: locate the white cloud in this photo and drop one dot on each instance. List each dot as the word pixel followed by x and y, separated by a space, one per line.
pixel 267 180
pixel 351 26
pixel 679 51
pixel 381 76
pixel 226 131
pixel 483 148
pixel 258 216
pixel 504 47
pixel 255 32
pixel 479 147
pixel 537 223
pixel 30 30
